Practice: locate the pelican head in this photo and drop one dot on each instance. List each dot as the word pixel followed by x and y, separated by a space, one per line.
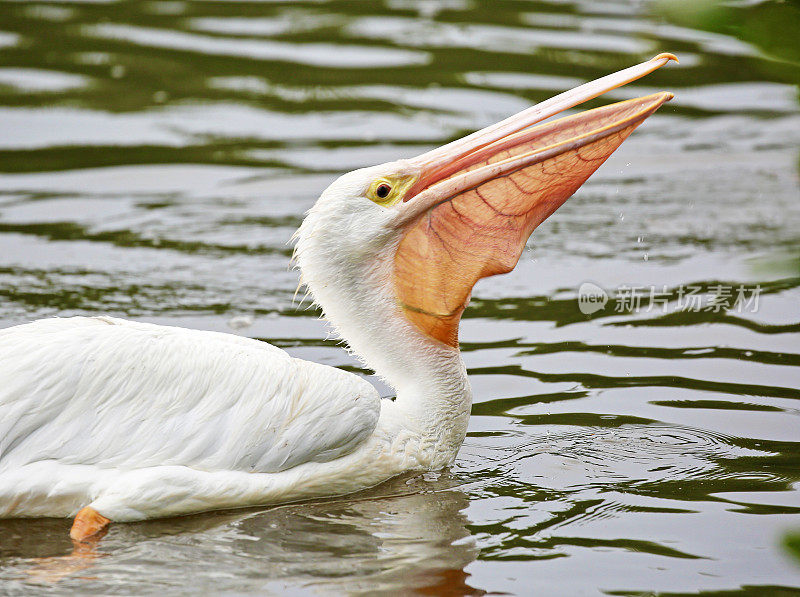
pixel 391 253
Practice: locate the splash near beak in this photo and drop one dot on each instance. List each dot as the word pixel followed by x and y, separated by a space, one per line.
pixel 477 200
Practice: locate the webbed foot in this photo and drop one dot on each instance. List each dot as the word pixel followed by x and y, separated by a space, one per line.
pixel 88 523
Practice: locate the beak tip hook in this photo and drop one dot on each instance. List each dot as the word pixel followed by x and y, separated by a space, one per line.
pixel 666 56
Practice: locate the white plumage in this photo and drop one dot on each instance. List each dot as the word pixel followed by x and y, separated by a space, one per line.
pixel 117 395
pixel 154 395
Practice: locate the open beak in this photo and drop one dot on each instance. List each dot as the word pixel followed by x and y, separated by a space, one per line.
pixel 476 201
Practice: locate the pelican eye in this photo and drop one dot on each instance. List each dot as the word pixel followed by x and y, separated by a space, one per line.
pixel 387 191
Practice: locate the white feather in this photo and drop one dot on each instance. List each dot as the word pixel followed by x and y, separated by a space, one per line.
pixel 114 393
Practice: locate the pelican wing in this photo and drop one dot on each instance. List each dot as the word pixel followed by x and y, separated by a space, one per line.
pixel 115 393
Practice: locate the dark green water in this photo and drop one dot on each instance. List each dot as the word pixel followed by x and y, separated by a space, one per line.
pixel 155 158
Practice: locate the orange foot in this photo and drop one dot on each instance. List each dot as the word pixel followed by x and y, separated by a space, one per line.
pixel 87 524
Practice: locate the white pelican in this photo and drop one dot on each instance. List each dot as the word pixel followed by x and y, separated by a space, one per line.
pixel 111 420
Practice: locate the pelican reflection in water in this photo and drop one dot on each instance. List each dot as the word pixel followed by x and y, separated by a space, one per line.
pixel 409 534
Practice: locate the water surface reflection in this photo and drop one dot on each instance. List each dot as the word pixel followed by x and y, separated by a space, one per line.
pixel 409 534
